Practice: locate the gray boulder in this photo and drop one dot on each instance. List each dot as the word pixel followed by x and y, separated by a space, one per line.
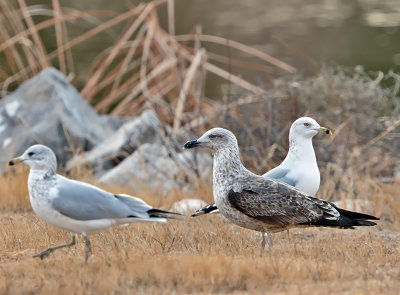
pixel 146 128
pixel 145 155
pixel 155 168
pixel 47 109
pixel 141 154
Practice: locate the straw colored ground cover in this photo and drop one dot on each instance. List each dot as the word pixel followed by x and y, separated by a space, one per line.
pixel 198 255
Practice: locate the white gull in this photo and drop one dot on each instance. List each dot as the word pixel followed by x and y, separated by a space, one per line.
pixel 76 206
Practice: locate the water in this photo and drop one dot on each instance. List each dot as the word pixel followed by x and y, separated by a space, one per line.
pixel 347 32
pixel 365 32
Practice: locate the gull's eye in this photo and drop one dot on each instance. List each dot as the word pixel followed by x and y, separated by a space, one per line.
pixel 306 124
pixel 30 154
pixel 214 135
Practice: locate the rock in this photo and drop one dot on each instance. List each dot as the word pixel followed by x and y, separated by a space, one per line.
pixel 47 109
pixel 187 206
pixel 145 155
pixel 146 128
pixel 154 167
pixel 140 154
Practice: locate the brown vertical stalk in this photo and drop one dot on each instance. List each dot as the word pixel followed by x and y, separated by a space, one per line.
pixel 171 17
pixel 59 36
pixel 190 74
pixel 87 91
pixel 35 36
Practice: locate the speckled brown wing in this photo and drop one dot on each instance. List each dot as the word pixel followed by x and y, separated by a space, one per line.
pixel 275 208
pixel 274 202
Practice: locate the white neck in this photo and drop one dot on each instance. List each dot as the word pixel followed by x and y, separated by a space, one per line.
pixel 35 180
pixel 39 174
pixel 301 150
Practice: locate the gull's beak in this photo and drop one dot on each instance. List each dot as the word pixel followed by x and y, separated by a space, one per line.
pixel 325 130
pixel 14 161
pixel 191 144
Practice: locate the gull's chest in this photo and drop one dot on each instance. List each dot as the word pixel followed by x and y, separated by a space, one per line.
pixel 39 191
pixel 223 181
pixel 222 185
pixel 307 177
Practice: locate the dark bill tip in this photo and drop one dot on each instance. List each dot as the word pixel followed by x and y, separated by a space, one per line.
pixel 191 144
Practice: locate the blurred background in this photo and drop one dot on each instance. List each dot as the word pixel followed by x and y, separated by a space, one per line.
pixel 357 32
pixel 250 66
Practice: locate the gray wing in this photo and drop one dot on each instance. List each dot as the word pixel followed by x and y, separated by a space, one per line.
pixel 82 201
pixel 274 207
pixel 281 174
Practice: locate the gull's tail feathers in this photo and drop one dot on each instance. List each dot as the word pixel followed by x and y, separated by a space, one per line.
pixel 142 211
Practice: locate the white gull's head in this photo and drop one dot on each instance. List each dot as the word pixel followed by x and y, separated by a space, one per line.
pixel 215 139
pixel 306 127
pixel 37 157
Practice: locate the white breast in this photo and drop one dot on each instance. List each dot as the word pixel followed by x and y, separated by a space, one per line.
pixel 307 179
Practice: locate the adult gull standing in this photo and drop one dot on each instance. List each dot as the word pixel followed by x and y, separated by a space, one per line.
pixel 299 168
pixel 76 206
pixel 264 204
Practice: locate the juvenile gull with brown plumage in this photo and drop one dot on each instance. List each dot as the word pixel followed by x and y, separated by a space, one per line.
pixel 264 204
pixel 299 168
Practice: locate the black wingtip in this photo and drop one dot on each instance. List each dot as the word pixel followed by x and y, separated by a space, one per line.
pixel 342 222
pixel 355 215
pixel 158 213
pixel 154 210
pixel 366 223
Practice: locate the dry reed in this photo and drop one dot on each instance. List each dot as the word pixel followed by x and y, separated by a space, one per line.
pixel 142 67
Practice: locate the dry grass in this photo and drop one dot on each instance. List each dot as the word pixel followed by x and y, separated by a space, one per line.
pixel 138 64
pixel 198 255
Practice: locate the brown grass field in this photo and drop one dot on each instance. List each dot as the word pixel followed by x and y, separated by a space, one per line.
pixel 201 255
